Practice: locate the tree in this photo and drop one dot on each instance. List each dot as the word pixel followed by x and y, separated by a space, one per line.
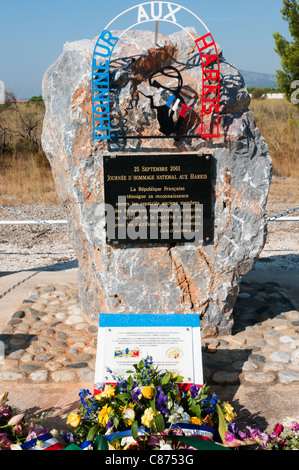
pixel 288 51
pixel 35 99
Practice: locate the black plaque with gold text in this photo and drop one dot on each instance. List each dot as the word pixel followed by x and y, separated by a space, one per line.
pixel 159 198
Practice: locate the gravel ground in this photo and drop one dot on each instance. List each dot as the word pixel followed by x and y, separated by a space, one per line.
pixel 29 247
pixel 48 248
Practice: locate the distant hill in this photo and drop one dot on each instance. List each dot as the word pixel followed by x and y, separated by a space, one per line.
pixel 261 80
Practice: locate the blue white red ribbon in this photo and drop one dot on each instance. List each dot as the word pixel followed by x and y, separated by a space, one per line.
pixel 44 442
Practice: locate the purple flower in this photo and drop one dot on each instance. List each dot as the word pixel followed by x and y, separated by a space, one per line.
pixel 136 394
pixel 194 390
pixel 68 437
pixel 4 411
pixel 254 433
pixel 233 427
pixel 264 438
pixel 110 424
pixel 161 401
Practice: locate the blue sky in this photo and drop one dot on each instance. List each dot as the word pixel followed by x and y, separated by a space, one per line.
pixel 33 32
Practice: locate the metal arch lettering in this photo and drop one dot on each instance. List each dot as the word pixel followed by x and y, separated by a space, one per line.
pixel 101 83
pixel 148 12
pixel 210 93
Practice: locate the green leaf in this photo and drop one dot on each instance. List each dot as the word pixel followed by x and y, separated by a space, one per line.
pixel 199 444
pixel 116 422
pixel 134 429
pixel 93 432
pixel 179 379
pixel 196 409
pixel 222 424
pixel 129 382
pixel 159 422
pixel 153 405
pixel 165 379
pixel 122 396
pixel 101 443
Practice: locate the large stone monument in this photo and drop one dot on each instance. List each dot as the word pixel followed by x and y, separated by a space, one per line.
pixel 161 277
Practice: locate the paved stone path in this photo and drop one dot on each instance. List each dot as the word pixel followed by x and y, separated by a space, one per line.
pixel 49 340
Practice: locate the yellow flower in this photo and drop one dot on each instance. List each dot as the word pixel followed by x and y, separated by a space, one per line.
pixel 148 392
pixel 104 415
pixel 74 420
pixel 229 414
pixel 147 417
pixel 114 446
pixel 178 397
pixel 109 391
pixel 195 420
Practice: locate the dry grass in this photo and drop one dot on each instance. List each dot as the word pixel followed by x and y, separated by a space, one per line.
pixel 24 181
pixel 25 176
pixel 278 121
pixel 285 190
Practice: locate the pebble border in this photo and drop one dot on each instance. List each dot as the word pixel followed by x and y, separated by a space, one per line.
pixel 50 340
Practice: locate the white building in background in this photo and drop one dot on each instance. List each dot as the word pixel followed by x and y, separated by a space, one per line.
pixel 2 92
pixel 274 96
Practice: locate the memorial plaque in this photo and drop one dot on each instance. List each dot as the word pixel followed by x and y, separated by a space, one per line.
pixel 173 341
pixel 159 198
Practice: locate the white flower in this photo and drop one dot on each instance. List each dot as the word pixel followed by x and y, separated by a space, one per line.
pixel 127 440
pixel 54 433
pixel 179 415
pixel 166 447
pixel 129 413
pixel 169 403
pixel 15 447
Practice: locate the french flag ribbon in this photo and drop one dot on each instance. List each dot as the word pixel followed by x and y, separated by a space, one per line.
pixel 44 442
pixel 87 445
pixel 176 104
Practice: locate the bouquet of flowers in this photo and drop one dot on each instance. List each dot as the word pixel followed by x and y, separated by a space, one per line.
pixel 284 436
pixel 15 428
pixel 148 403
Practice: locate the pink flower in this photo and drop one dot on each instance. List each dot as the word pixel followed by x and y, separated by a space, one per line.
pixel 295 426
pixel 153 441
pixel 278 428
pixel 18 429
pixel 229 437
pixel 3 398
pixel 15 419
pixel 34 433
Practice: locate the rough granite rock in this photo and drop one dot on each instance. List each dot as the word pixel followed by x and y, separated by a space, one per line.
pixel 161 278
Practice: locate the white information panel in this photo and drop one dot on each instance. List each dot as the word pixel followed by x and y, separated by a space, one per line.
pixel 173 348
